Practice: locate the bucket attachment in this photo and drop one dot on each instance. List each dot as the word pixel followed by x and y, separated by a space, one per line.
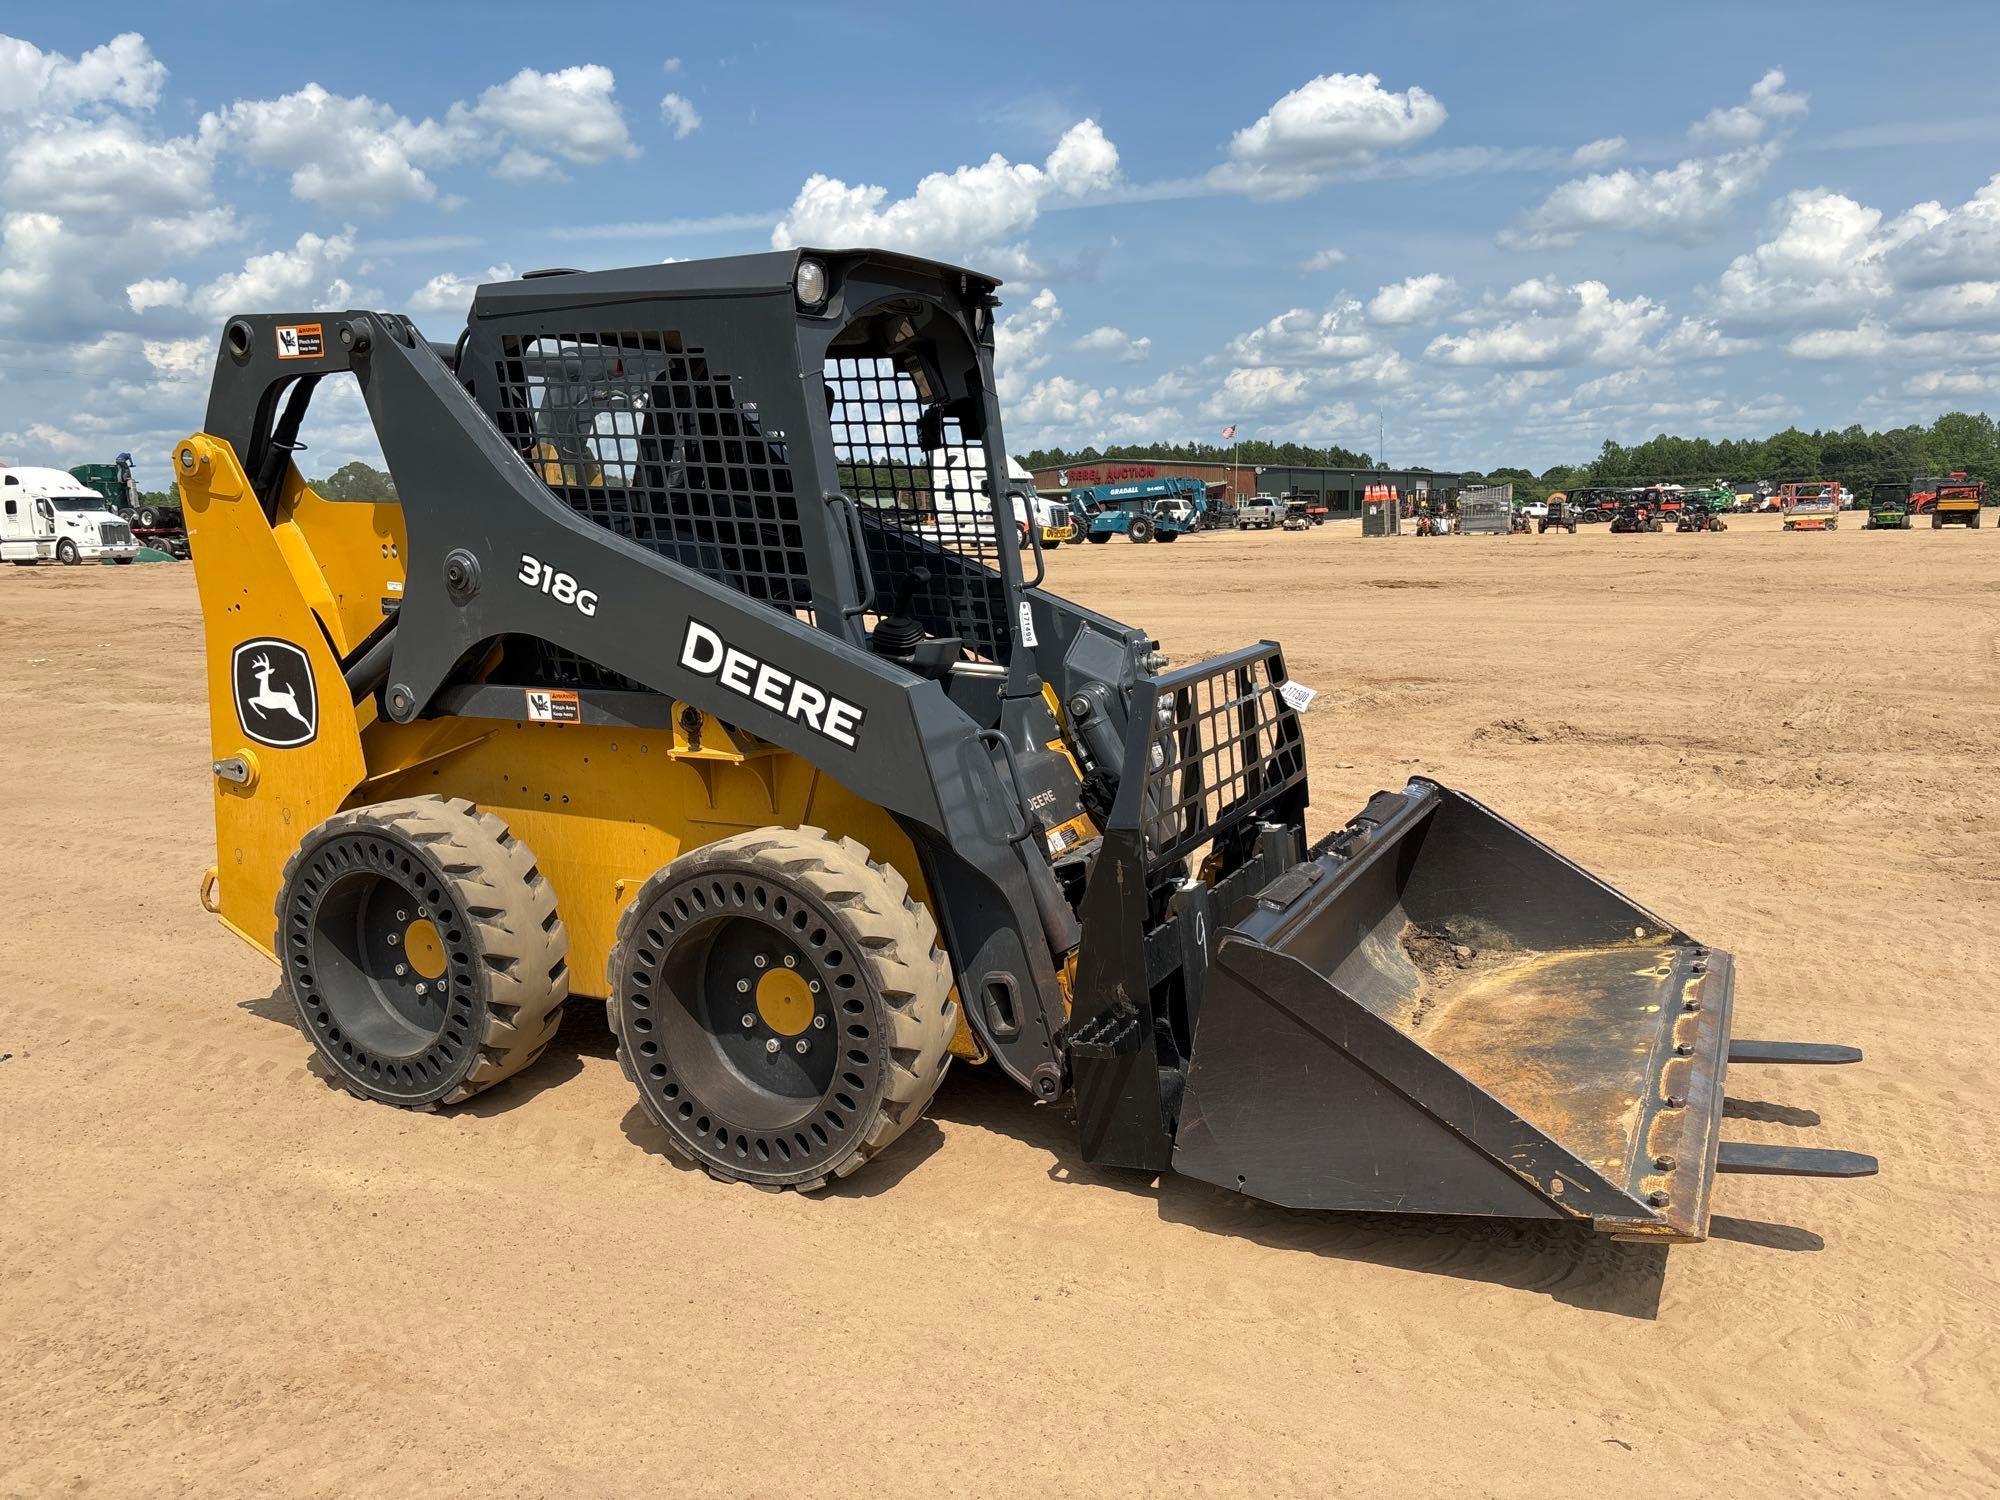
pixel 1435 1013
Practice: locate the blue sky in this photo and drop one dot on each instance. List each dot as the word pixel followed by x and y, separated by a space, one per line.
pixel 1506 233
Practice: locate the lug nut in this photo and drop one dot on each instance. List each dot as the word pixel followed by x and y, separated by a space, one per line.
pixel 749 1021
pixel 393 940
pixel 742 986
pixel 771 1045
pixel 813 985
pixel 819 1023
pixel 401 970
pixel 759 960
pixel 800 1045
pixel 790 962
pixel 402 916
pixel 420 987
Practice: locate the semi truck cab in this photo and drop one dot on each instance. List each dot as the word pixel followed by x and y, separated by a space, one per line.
pixel 49 516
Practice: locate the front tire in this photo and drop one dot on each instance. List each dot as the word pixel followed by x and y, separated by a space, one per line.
pixel 1140 529
pixel 421 945
pixel 781 1005
pixel 1099 538
pixel 66 553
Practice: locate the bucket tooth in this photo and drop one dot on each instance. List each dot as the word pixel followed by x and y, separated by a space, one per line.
pixel 1818 1054
pixel 1792 1161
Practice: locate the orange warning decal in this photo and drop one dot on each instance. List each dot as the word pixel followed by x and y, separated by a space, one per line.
pixel 554 706
pixel 300 341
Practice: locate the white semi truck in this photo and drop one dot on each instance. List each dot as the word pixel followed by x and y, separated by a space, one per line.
pixel 49 516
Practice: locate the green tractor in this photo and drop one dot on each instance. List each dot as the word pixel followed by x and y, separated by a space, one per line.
pixel 1889 507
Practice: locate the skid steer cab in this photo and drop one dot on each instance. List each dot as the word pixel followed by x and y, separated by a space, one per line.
pixel 699 671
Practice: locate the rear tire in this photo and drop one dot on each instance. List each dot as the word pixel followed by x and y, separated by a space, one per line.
pixel 443 893
pixel 781 1005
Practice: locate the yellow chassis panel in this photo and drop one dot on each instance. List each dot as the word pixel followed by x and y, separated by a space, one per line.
pixel 603 808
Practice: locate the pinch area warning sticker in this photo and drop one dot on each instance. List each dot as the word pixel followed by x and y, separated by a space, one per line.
pixel 300 341
pixel 554 706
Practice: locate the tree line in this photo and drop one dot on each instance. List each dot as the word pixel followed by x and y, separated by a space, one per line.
pixel 1249 451
pixel 1853 455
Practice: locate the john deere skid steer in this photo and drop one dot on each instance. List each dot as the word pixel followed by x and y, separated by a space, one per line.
pixel 697 670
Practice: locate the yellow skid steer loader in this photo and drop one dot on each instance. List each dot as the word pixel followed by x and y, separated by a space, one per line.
pixel 697 669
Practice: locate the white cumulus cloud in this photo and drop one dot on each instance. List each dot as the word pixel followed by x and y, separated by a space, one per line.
pixel 1415 299
pixel 1332 124
pixel 1115 342
pixel 1683 200
pixel 972 213
pixel 1582 324
pixel 571 114
pixel 1738 123
pixel 302 279
pixel 357 154
pixel 122 72
pixel 1599 153
pixel 679 115
pixel 450 292
pixel 1686 200
pixel 156 291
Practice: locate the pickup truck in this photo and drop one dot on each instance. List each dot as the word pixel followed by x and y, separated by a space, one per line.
pixel 1260 514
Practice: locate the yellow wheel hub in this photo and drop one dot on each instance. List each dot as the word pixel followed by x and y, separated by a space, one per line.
pixel 785 1001
pixel 424 948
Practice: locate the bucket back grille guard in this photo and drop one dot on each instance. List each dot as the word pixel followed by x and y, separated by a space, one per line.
pixel 1221 749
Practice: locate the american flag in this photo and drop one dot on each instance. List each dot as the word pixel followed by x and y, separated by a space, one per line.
pixel 1229 432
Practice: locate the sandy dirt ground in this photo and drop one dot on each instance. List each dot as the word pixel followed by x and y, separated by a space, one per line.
pixel 223 1276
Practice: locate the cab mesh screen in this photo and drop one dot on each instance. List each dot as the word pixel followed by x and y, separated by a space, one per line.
pixel 646 438
pixel 927 512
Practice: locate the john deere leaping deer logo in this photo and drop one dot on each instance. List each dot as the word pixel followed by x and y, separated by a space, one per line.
pixel 276 702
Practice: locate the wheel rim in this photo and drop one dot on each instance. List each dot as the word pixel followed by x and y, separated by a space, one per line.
pixel 380 963
pixel 751 1025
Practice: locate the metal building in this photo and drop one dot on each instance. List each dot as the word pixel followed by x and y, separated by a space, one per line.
pixel 1340 490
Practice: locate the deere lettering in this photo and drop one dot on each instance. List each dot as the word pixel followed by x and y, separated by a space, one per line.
pixel 707 653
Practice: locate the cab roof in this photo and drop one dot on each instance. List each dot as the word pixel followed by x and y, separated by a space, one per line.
pixel 730 275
